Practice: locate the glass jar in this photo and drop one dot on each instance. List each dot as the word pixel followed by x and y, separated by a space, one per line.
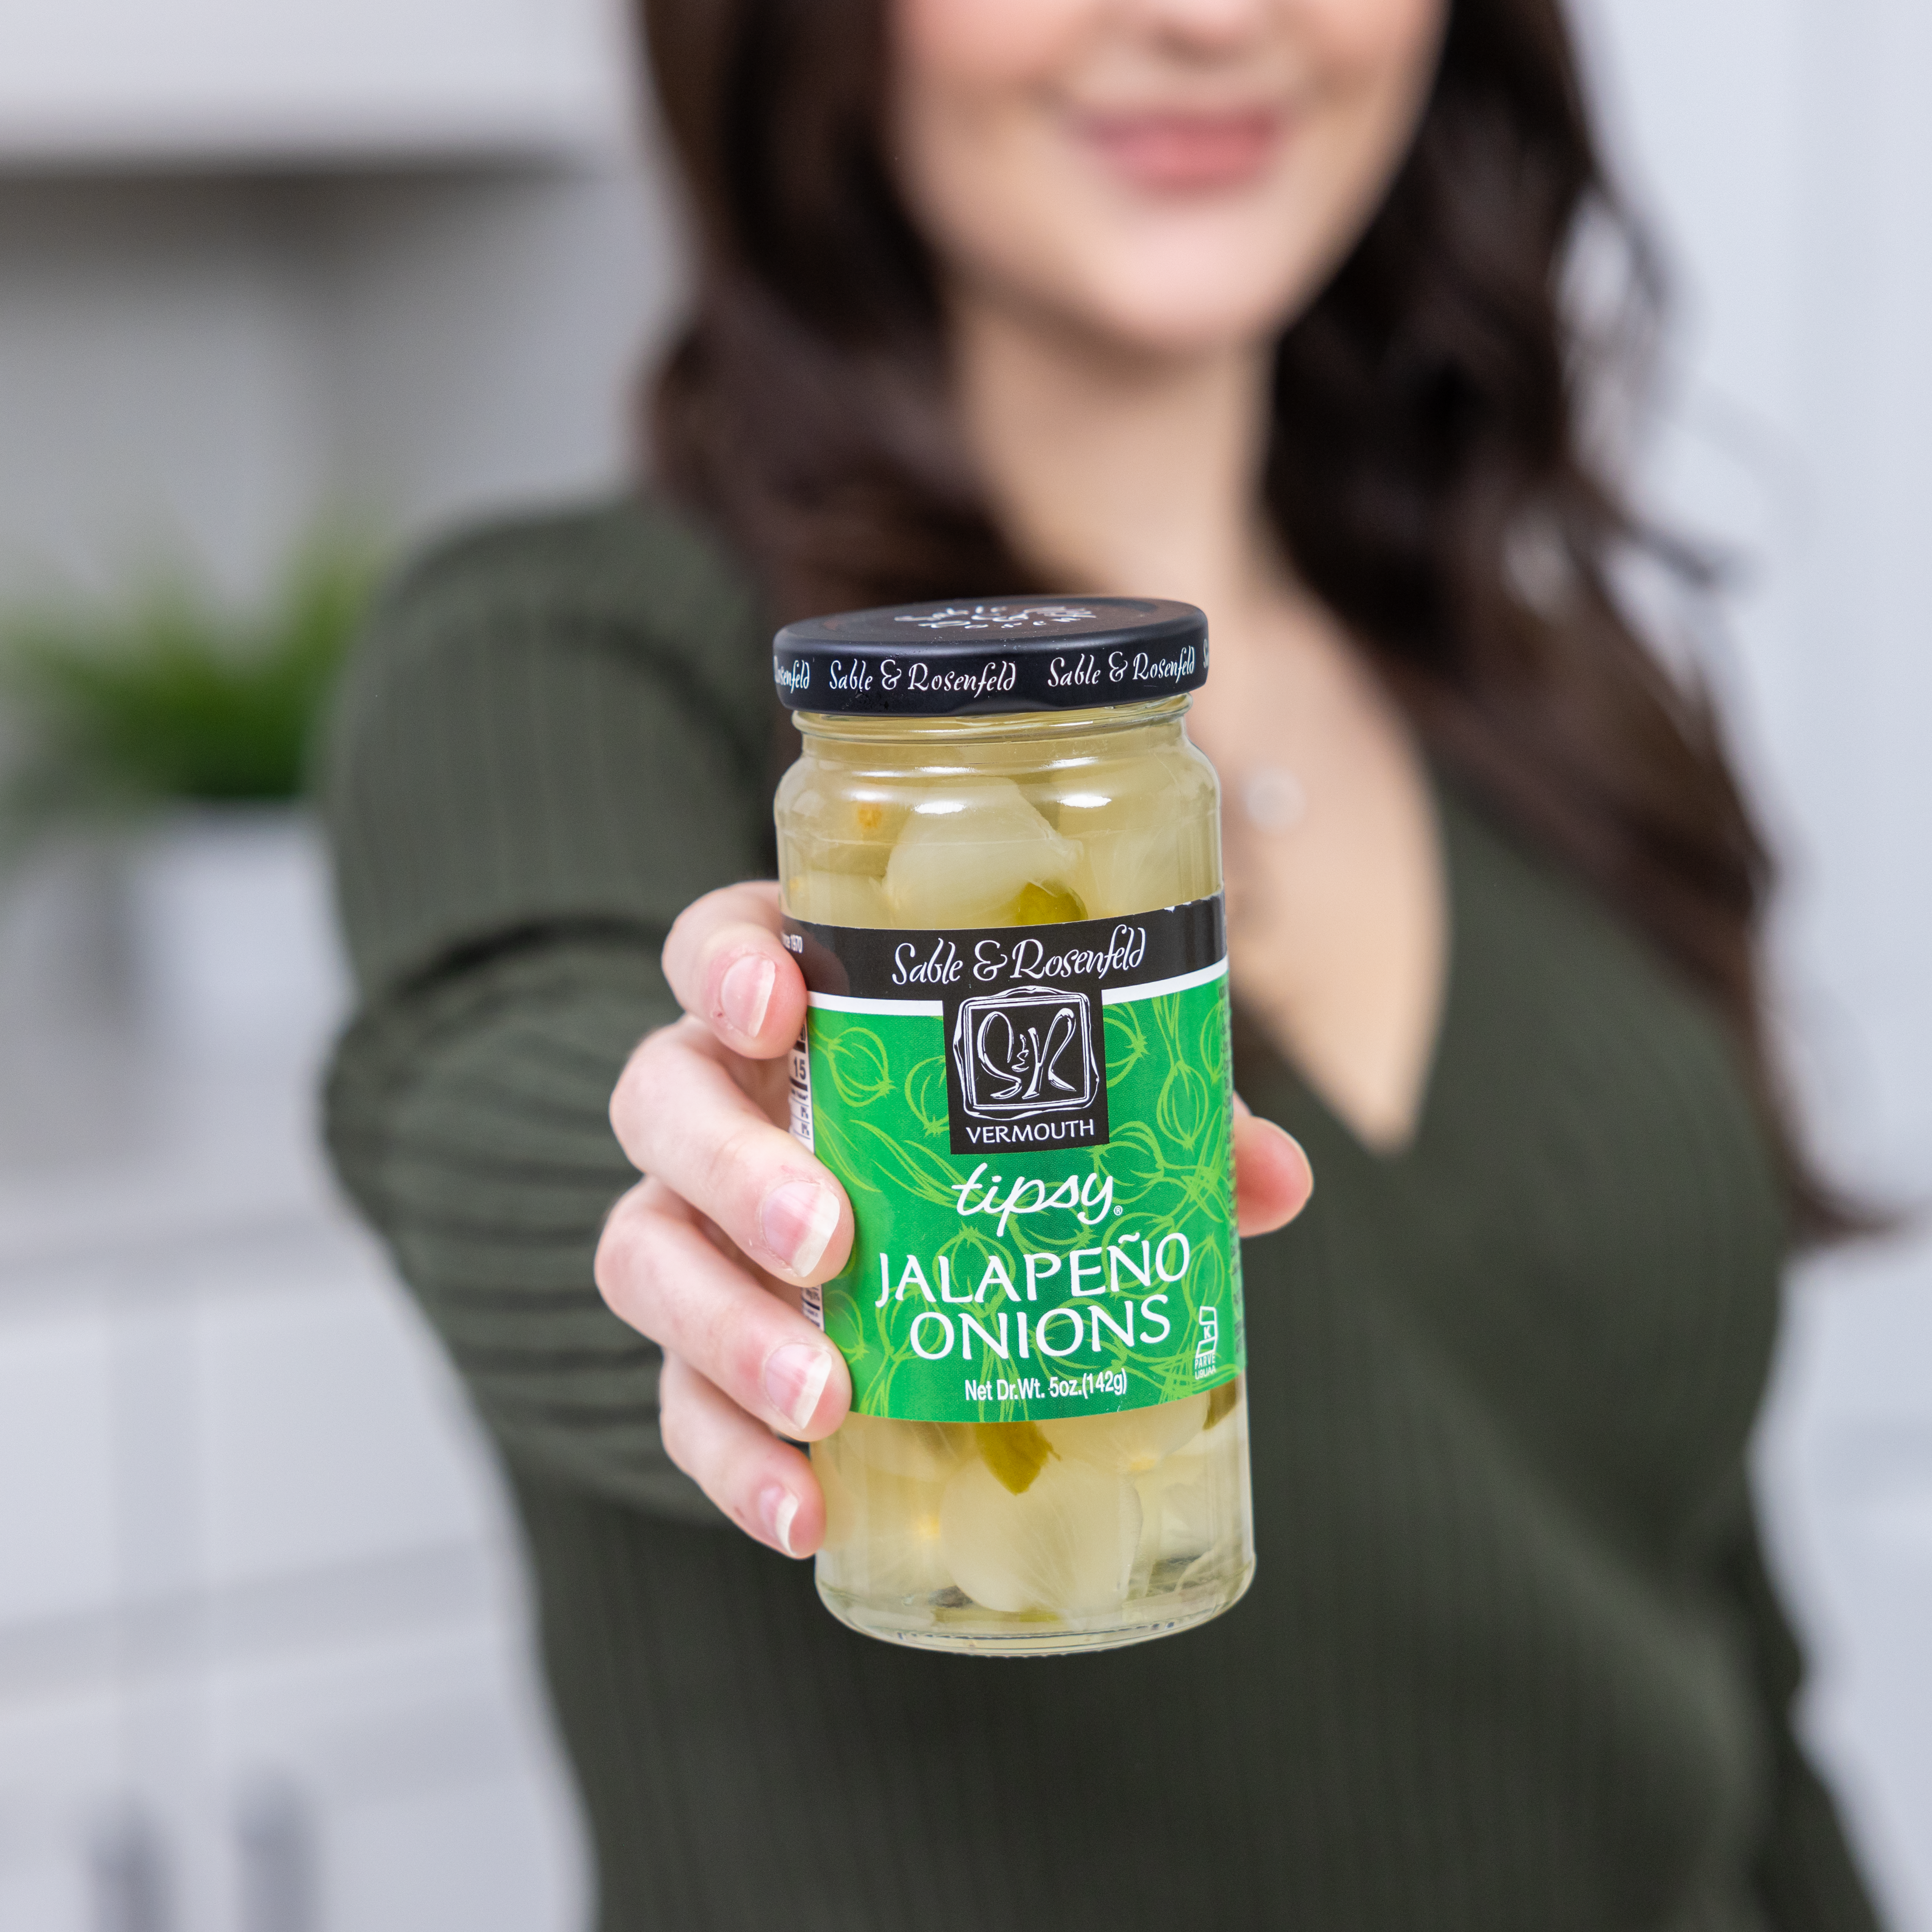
pixel 1001 859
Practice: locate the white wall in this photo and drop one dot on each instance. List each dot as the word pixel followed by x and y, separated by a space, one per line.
pixel 131 82
pixel 203 365
pixel 486 335
pixel 157 376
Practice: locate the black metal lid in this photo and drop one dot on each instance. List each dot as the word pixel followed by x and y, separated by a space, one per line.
pixel 970 659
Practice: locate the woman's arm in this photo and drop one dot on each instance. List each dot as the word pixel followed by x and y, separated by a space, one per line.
pixel 470 1119
pixel 552 738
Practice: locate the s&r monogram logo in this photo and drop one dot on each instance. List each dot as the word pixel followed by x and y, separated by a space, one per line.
pixel 1028 1070
pixel 1028 1051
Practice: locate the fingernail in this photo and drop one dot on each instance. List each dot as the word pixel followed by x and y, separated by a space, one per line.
pixel 745 991
pixel 777 1506
pixel 795 1378
pixel 796 1221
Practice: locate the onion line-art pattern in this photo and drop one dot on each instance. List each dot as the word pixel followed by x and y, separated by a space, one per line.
pixel 1164 1061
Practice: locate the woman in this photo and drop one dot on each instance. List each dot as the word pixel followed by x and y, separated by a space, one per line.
pixel 1252 302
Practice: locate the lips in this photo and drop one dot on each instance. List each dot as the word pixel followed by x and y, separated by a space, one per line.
pixel 1194 153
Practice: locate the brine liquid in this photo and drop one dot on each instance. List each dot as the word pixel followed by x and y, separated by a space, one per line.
pixel 1130 1525
pixel 1057 1458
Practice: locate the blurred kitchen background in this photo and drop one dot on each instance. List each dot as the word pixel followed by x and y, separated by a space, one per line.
pixel 284 287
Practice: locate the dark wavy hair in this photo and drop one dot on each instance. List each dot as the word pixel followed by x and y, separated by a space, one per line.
pixel 1428 474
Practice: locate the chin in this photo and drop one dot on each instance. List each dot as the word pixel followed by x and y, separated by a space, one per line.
pixel 1176 282
pixel 1187 311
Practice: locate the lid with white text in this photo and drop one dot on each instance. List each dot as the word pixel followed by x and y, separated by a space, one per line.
pixel 974 657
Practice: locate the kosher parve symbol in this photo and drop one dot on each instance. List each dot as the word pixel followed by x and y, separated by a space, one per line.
pixel 1027 1051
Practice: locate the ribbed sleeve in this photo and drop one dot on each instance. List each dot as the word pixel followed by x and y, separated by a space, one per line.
pixel 556 724
pixel 550 743
pixel 468 1121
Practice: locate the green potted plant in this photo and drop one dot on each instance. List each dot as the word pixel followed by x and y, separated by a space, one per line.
pixel 181 730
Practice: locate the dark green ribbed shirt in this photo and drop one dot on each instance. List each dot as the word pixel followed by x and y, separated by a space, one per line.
pixel 1511 1663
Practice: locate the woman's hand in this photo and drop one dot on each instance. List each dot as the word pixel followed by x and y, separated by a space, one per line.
pixel 707 1256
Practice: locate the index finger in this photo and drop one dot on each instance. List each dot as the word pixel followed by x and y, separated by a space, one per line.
pixel 728 968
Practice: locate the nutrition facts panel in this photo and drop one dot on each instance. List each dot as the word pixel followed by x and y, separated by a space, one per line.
pixel 813 1302
pixel 801 1089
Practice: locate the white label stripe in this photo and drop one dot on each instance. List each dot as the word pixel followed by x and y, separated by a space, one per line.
pixel 840 1003
pixel 1119 996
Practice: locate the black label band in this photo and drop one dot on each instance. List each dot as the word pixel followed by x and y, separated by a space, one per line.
pixel 1020 1008
pixel 892 963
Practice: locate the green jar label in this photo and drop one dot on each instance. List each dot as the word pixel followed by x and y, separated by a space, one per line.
pixel 1033 1124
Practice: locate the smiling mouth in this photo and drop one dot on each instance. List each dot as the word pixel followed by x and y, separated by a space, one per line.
pixel 1179 154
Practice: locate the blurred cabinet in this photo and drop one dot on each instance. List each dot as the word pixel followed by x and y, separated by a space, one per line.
pixel 58 1503
pixel 264 1656
pixel 291 83
pixel 263 1666
pixel 383 1787
pixel 323 1425
pixel 60 1772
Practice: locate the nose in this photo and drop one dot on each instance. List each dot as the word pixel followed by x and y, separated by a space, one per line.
pixel 1206 26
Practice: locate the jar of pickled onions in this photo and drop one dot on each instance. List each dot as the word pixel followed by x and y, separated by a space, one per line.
pixel 1001 859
